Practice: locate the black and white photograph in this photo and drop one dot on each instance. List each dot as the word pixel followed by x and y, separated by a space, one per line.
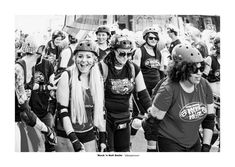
pixel 117 83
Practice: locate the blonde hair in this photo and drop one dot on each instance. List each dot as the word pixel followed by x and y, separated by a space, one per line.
pixel 78 112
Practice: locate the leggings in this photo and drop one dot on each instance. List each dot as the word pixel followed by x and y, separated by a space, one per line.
pixel 168 145
pixel 118 139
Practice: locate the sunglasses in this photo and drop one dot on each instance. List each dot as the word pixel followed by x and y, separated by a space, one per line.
pixel 123 54
pixel 195 68
pixel 151 38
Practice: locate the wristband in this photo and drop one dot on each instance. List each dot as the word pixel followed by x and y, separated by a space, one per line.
pixel 102 137
pixel 205 148
pixel 77 146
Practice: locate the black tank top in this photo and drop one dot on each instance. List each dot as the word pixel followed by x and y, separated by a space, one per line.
pixel 214 74
pixel 40 98
pixel 118 89
pixel 173 44
pixel 150 68
pixel 103 53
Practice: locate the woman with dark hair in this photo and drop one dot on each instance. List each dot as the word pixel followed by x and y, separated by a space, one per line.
pixel 183 102
pixel 148 58
pixel 54 47
pixel 121 77
pixel 103 35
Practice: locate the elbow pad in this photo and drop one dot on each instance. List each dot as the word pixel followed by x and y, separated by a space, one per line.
pixel 150 127
pixel 144 99
pixel 209 122
pixel 62 114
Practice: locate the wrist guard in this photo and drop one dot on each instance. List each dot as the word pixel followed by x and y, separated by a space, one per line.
pixel 150 126
pixel 102 139
pixel 77 146
pixel 205 148
pixel 50 136
pixel 144 99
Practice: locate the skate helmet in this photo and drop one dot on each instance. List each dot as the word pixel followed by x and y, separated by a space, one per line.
pixel 72 39
pixel 58 33
pixel 172 28
pixel 29 45
pixel 186 53
pixel 150 30
pixel 121 41
pixel 103 28
pixel 86 45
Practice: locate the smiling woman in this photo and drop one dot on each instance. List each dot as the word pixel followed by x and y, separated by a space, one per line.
pixel 80 96
pixel 184 101
pixel 122 79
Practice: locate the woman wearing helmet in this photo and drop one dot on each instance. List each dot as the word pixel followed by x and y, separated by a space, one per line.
pixel 80 97
pixel 183 102
pixel 148 58
pixel 27 139
pixel 122 78
pixel 172 31
pixel 103 35
pixel 66 58
pixel 54 47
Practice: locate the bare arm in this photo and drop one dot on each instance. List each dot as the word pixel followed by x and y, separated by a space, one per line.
pixel 208 61
pixel 19 84
pixel 137 57
pixel 140 84
pixel 65 56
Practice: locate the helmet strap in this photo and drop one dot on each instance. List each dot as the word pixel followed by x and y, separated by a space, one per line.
pixel 117 63
pixel 149 44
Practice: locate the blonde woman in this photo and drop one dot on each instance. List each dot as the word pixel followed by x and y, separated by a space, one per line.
pixel 80 97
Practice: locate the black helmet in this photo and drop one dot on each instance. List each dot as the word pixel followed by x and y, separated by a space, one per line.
pixel 87 45
pixel 58 33
pixel 72 39
pixel 121 41
pixel 103 28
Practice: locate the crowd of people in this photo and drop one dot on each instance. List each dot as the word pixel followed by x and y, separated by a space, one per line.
pixel 86 95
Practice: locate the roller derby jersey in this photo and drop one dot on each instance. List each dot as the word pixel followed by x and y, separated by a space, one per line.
pixel 184 111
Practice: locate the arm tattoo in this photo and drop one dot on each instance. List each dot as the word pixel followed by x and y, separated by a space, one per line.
pixel 19 84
